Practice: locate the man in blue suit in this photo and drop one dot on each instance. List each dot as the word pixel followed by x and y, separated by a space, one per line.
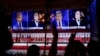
pixel 59 22
pixel 19 24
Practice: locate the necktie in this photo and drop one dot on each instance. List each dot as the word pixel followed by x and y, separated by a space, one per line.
pixel 59 24
pixel 19 24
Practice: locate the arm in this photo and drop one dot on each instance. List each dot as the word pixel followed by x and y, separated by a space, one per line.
pixel 70 44
pixel 53 49
pixel 72 37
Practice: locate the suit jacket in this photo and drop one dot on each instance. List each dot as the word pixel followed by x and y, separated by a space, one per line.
pixel 16 26
pixel 74 23
pixel 32 24
pixel 64 23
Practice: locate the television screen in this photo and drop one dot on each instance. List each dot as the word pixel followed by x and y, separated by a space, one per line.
pixel 70 19
pixel 19 20
pixel 27 20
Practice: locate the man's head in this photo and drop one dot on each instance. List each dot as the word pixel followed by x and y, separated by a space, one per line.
pixel 36 16
pixel 58 15
pixel 77 15
pixel 33 50
pixel 19 16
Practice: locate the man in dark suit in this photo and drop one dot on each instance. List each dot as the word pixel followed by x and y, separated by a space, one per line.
pixel 59 22
pixel 35 21
pixel 19 23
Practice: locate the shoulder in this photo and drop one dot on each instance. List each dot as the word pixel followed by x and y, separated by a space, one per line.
pixel 72 22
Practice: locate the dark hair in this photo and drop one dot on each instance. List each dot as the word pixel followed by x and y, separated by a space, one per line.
pixel 82 16
pixel 33 50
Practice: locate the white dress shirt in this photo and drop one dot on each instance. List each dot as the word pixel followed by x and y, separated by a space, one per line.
pixel 78 22
pixel 19 24
pixel 60 23
pixel 36 23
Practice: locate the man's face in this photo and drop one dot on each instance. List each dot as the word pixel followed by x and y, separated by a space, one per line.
pixel 77 15
pixel 59 17
pixel 19 17
pixel 36 16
